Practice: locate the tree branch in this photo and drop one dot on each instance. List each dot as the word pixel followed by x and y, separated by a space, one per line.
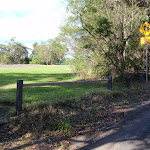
pixel 97 42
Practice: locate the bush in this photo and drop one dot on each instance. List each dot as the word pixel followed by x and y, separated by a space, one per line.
pixel 26 60
pixel 36 60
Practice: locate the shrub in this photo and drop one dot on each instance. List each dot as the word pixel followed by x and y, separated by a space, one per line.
pixel 36 60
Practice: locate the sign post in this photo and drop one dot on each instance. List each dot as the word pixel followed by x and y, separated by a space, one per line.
pixel 146 64
pixel 145 29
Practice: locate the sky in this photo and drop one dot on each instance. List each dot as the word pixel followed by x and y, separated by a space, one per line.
pixel 30 20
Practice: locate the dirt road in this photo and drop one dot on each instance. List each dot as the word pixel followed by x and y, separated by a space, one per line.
pixel 131 133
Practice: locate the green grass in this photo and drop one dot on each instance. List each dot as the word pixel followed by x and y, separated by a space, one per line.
pixel 34 97
pixel 64 110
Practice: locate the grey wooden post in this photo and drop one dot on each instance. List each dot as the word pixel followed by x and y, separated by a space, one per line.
pixel 141 77
pixel 109 83
pixel 19 96
pixel 128 80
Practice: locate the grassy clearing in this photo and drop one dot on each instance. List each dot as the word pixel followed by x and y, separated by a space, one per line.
pixel 35 74
pixel 33 97
pixel 54 112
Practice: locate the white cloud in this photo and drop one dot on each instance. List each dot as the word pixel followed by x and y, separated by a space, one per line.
pixel 30 19
pixel 17 5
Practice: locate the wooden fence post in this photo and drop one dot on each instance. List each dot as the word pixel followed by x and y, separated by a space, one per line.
pixel 128 80
pixel 109 83
pixel 19 96
pixel 141 77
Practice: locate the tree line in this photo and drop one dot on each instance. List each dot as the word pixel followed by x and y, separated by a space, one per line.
pixel 49 52
pixel 13 53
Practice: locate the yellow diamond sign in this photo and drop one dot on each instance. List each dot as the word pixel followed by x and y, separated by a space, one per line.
pixel 144 40
pixel 145 29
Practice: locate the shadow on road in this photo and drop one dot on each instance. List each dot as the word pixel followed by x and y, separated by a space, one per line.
pixel 132 132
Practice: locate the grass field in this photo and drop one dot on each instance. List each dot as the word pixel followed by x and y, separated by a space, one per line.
pixel 34 97
pixel 59 112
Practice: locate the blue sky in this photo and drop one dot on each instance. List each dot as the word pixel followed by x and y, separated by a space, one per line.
pixel 30 20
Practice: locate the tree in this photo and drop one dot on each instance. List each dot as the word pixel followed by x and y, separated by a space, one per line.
pixel 18 51
pixel 106 34
pixel 13 53
pixel 49 52
pixel 59 49
pixel 42 50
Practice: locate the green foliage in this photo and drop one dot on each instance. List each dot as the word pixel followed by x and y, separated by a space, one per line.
pixel 13 53
pixel 49 52
pixel 64 125
pixel 104 36
pixel 36 60
pixel 80 66
pixel 103 27
pixel 26 60
pixel 6 59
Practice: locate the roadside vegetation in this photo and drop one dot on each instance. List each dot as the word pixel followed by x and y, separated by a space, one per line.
pixel 103 38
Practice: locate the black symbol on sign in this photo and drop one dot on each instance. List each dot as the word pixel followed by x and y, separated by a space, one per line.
pixel 146 28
